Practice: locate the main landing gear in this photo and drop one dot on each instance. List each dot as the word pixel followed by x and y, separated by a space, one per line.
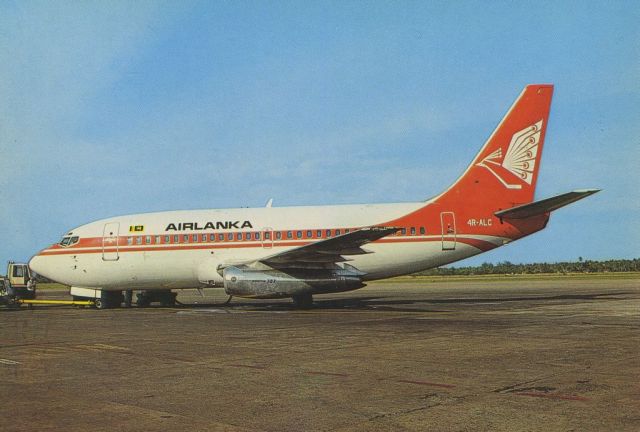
pixel 103 299
pixel 303 301
pixel 128 298
pixel 166 298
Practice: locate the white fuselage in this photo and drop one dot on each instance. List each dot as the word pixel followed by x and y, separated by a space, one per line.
pixel 185 249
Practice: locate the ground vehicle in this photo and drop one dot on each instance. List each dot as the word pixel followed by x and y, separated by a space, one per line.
pixel 17 285
pixel 19 281
pixel 5 294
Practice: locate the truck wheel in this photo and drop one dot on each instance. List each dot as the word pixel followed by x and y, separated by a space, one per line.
pixel 99 304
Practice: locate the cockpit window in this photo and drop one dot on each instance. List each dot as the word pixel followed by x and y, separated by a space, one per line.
pixel 69 241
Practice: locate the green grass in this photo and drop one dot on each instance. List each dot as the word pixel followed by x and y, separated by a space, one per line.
pixel 457 278
pixel 506 277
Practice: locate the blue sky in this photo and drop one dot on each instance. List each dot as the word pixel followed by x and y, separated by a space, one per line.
pixel 111 108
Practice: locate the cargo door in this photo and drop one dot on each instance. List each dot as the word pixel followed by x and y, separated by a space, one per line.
pixel 448 223
pixel 110 241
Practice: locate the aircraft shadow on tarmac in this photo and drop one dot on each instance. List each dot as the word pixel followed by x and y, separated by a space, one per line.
pixel 380 303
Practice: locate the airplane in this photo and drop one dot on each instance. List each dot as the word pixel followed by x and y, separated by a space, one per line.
pixel 298 252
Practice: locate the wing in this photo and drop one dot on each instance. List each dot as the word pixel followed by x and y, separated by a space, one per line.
pixel 329 251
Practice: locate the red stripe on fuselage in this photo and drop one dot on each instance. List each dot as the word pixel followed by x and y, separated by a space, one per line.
pixel 482 245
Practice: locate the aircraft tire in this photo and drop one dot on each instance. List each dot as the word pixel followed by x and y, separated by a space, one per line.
pixel 143 302
pixel 303 301
pixel 167 303
pixel 128 297
pixel 167 298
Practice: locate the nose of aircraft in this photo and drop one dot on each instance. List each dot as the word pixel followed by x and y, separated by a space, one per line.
pixel 37 264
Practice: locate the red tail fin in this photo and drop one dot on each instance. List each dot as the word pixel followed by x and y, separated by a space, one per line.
pixel 505 171
pixel 503 175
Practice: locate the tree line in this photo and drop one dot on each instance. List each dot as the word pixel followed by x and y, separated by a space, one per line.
pixel 506 267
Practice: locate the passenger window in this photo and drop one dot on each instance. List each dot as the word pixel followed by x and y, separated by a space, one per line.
pixel 158 239
pixel 289 234
pixel 319 233
pixel 346 231
pixel 247 236
pixel 299 234
pixel 212 237
pixel 278 235
pixel 185 238
pixel 167 239
pixel 239 236
pixel 338 232
pixel 139 240
pixel 194 238
pixel 129 240
pixel 309 234
pixel 220 237
pixel 257 236
pixel 176 239
pixel 413 230
pixel 203 237
pixel 327 233
pixel 422 230
pixel 267 235
pixel 230 236
pixel 404 231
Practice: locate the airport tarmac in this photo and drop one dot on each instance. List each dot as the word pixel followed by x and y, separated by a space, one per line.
pixel 512 355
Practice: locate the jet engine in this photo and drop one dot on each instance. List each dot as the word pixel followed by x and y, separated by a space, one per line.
pixel 247 282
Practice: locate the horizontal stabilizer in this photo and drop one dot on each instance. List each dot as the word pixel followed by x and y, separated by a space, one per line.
pixel 544 206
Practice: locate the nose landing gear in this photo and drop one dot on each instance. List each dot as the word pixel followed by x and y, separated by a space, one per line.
pixel 103 299
pixel 109 299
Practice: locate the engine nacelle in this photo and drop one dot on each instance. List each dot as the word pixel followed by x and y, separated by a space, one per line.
pixel 247 282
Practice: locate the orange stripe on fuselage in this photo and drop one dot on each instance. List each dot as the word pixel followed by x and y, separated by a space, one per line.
pixel 483 245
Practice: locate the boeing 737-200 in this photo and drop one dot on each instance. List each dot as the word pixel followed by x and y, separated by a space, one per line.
pixel 297 252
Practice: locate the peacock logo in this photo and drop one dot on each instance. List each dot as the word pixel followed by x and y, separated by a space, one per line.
pixel 520 158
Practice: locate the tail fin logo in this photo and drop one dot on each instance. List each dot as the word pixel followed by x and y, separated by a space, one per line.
pixel 520 158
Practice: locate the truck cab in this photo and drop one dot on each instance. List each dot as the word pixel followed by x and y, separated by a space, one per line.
pixel 21 281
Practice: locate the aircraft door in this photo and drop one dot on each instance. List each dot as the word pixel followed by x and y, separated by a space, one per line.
pixel 448 224
pixel 267 238
pixel 110 241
